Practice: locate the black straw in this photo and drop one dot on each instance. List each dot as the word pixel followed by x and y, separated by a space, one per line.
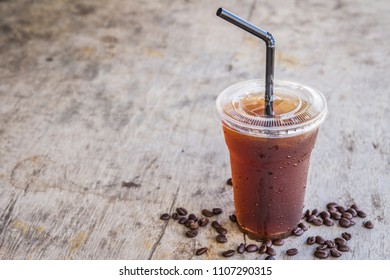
pixel 270 55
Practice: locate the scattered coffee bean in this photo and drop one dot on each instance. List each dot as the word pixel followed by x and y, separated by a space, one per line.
pixel 292 252
pixel 216 224
pixel 233 218
pixel 278 242
pixel 320 240
pixel 217 211
pixel 262 249
pixel 347 215
pixel 207 213
pixel 368 225
pixel 352 222
pixel 322 247
pixel 267 242
pixel 345 223
pixel 182 220
pixel 361 214
pixel 175 216
pixel 221 230
pixel 307 213
pixel 297 231
pixel 221 238
pixel 331 204
pixel 194 225
pixel 201 251
pixel 336 215
pixel 269 258
pixel 353 206
pixel 332 210
pixel 229 182
pixel 228 253
pixel 192 217
pixel 321 254
pixel 203 222
pixel 303 226
pixel 352 211
pixel 165 216
pixel 343 248
pixel 325 215
pixel 346 235
pixel 251 248
pixel 317 222
pixel 315 212
pixel 335 253
pixel 341 209
pixel 330 244
pixel 311 240
pixel 311 218
pixel 181 211
pixel 241 248
pixel 188 222
pixel 191 233
pixel 270 251
pixel 328 222
pixel 340 241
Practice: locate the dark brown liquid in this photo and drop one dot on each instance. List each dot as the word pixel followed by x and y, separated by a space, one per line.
pixel 269 180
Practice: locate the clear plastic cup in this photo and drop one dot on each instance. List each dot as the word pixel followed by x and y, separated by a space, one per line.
pixel 270 156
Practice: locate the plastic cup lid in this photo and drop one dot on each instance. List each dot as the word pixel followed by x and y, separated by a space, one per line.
pixel 297 109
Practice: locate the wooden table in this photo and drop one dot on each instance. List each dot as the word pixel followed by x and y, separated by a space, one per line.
pixel 107 121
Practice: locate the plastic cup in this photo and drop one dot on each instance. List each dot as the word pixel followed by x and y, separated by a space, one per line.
pixel 270 156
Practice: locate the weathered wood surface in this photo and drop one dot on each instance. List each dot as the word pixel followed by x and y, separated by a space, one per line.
pixel 94 93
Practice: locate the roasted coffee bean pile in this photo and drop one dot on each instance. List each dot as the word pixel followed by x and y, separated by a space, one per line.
pixel 324 248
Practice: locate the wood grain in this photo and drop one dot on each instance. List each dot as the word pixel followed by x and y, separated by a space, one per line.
pixel 107 121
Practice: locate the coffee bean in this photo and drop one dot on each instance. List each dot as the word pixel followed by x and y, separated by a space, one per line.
pixel 228 253
pixel 229 182
pixel 165 216
pixel 332 210
pixel 341 209
pixel 346 235
pixel 335 253
pixel 317 222
pixel 188 222
pixel 307 213
pixel 191 233
pixel 336 215
pixel 221 230
pixel 207 213
pixel 352 222
pixel 203 222
pixel 233 218
pixel 251 248
pixel 368 225
pixel 346 215
pixel 322 247
pixel 221 238
pixel 217 211
pixel 201 251
pixel 328 222
pixel 311 218
pixel 354 206
pixel 241 248
pixel 303 226
pixel 262 249
pixel 268 242
pixel 297 231
pixel 352 211
pixel 343 248
pixel 321 254
pixel 216 224
pixel 192 217
pixel 330 244
pixel 182 220
pixel 325 215
pixel 181 211
pixel 345 223
pixel 175 216
pixel 315 212
pixel 320 240
pixel 278 242
pixel 311 240
pixel 331 204
pixel 361 214
pixel 340 241
pixel 194 225
pixel 270 251
pixel 269 258
pixel 292 252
